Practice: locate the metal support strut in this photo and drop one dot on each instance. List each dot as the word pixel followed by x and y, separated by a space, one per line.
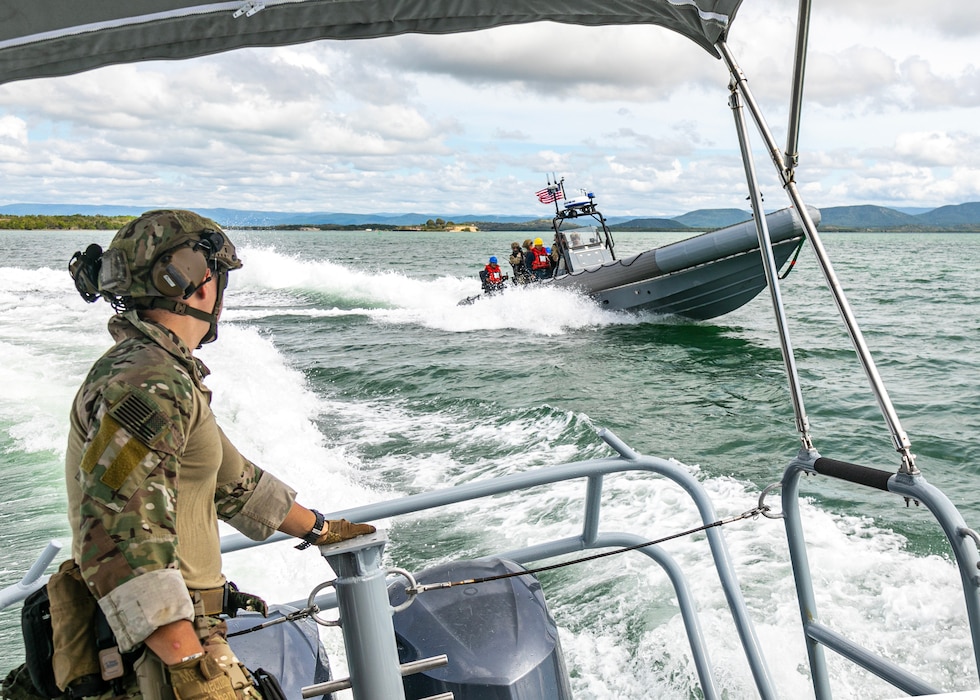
pixel 769 266
pixel 899 437
pixel 372 656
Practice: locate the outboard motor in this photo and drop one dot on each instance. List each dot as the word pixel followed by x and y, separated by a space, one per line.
pixel 501 641
pixel 291 651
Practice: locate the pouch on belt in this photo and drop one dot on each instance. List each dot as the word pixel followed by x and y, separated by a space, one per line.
pixel 73 607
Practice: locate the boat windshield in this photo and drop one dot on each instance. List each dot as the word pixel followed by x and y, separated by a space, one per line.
pixel 584 237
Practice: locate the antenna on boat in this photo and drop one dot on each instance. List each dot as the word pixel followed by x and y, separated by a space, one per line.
pixel 553 192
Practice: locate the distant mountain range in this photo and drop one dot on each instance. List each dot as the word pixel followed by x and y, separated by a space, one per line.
pixel 955 217
pixel 867 217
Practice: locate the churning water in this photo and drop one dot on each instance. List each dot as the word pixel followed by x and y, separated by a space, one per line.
pixel 345 366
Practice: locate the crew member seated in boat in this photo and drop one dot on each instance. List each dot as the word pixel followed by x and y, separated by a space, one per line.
pixel 528 257
pixel 146 555
pixel 540 261
pixel 521 274
pixel 491 277
pixel 554 252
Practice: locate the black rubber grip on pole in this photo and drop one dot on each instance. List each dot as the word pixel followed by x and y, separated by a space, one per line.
pixel 855 473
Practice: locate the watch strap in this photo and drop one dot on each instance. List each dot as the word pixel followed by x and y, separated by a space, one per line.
pixel 313 535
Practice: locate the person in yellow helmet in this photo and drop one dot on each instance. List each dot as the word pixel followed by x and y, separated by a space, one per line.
pixel 540 261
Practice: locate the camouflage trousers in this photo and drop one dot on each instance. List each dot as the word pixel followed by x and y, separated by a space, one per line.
pixel 18 686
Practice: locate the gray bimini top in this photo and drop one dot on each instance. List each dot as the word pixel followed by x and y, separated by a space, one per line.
pixel 45 38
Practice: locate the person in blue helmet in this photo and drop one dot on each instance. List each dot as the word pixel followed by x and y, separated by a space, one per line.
pixel 491 277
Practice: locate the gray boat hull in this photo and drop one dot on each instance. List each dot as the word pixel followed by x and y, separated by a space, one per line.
pixel 700 277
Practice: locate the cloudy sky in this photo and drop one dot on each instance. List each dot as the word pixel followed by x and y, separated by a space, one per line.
pixel 472 124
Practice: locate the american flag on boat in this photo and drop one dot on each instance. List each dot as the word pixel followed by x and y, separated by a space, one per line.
pixel 550 193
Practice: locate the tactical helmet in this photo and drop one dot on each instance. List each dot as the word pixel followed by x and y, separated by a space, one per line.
pixel 163 253
pixel 156 262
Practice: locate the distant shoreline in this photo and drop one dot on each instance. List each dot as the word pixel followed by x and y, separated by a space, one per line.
pixel 85 222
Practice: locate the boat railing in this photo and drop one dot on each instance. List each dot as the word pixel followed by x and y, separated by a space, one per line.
pixel 907 481
pixel 963 540
pixel 817 636
pixel 33 579
pixel 590 538
pixel 913 487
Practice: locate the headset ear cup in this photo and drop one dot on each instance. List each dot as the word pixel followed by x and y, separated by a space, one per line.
pixel 179 272
pixel 84 269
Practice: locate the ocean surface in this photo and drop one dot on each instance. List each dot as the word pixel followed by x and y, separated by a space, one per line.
pixel 345 366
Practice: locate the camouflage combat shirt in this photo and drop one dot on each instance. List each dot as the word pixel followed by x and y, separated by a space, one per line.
pixel 149 473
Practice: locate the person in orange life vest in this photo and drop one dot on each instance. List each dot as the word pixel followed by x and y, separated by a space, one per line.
pixel 491 277
pixel 540 260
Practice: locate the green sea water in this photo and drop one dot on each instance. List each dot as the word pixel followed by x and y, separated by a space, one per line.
pixel 345 365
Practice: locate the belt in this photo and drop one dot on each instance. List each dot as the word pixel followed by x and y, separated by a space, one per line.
pixel 227 600
pixel 86 686
pixel 208 601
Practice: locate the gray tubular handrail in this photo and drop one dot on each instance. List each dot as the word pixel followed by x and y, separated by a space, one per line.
pixel 593 471
pixel 33 579
pixel 818 636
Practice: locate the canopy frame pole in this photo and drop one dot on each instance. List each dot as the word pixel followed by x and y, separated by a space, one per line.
pixel 899 437
pixel 796 100
pixel 769 265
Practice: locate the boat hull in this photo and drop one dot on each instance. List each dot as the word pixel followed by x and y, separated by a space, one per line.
pixel 700 278
pixel 701 293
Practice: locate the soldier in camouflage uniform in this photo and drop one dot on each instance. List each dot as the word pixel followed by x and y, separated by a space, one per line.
pixel 149 472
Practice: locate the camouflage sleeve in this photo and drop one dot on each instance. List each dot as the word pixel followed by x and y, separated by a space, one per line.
pixel 128 528
pixel 138 607
pixel 251 500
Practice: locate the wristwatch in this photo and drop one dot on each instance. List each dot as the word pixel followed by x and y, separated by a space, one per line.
pixel 313 535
